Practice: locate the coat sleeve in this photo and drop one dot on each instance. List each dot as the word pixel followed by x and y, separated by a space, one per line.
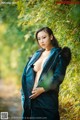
pixel 56 78
pixel 59 74
pixel 23 80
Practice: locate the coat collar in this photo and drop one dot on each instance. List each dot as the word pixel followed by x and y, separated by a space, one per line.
pixel 52 51
pixel 38 53
pixel 49 60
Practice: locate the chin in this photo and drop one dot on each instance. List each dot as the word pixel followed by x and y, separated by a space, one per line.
pixel 43 47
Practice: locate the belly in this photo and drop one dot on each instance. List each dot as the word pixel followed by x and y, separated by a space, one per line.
pixel 37 79
pixel 38 67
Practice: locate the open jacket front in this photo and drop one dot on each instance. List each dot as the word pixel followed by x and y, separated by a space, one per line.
pixel 54 63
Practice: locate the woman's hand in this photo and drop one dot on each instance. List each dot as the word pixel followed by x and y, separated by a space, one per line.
pixel 36 92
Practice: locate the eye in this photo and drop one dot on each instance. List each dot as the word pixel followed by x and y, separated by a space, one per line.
pixel 44 37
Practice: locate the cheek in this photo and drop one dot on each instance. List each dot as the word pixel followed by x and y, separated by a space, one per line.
pixel 39 43
pixel 48 41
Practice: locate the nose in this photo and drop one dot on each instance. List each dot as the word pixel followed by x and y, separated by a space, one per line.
pixel 42 41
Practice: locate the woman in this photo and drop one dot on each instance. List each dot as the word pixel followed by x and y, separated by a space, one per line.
pixel 42 77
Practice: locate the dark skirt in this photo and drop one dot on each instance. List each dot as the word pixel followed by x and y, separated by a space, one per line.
pixel 44 114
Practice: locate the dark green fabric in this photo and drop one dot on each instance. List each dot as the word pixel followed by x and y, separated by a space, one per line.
pixel 44 114
pixel 55 76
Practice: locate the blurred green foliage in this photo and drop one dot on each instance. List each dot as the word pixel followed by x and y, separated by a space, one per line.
pixel 18 24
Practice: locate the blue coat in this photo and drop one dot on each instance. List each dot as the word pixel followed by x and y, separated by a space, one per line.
pixel 54 63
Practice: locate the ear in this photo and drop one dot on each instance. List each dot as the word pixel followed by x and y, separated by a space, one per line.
pixel 51 37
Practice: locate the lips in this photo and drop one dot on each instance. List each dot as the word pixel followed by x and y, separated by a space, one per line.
pixel 42 44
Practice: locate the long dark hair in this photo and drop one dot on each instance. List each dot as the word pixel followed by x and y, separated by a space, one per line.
pixel 50 32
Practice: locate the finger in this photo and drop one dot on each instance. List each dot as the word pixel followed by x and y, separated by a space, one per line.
pixel 34 89
pixel 32 96
pixel 33 92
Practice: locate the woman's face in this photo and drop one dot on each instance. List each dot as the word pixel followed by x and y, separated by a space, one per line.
pixel 44 40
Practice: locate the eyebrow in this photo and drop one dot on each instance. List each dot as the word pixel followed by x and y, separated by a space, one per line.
pixel 42 36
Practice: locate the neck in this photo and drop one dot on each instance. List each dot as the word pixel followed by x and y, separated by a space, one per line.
pixel 49 48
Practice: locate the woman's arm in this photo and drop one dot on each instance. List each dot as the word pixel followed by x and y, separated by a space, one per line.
pixel 49 83
pixel 36 92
